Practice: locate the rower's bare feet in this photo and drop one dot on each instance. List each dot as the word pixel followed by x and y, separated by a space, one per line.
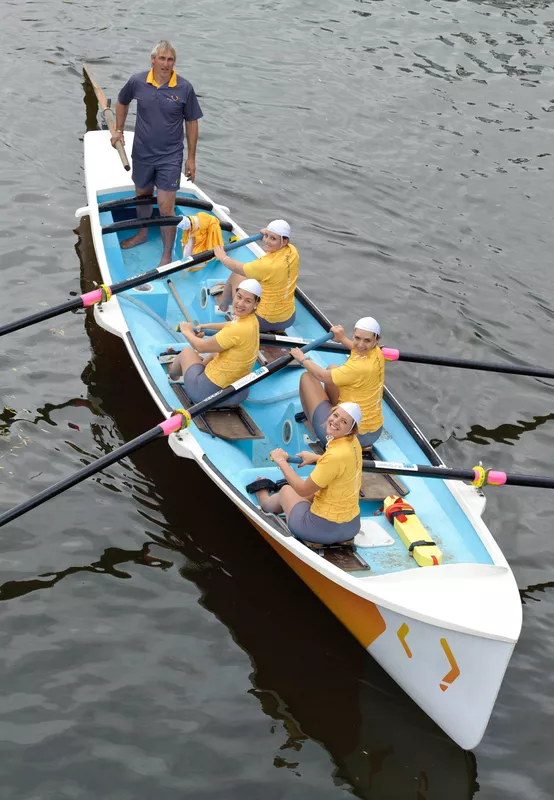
pixel 138 238
pixel 164 260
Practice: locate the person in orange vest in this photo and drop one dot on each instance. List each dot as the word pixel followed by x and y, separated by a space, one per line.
pixel 360 380
pixel 324 507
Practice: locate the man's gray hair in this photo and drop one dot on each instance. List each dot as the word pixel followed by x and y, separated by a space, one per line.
pixel 163 46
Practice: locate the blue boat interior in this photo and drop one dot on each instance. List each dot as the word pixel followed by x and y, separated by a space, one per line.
pixel 151 313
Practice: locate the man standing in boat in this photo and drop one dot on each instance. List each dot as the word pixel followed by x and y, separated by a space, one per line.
pixel 164 101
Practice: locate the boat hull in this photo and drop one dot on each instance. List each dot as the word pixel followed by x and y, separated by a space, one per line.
pixel 431 629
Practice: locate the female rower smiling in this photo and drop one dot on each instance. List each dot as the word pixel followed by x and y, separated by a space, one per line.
pixel 277 271
pixel 324 507
pixel 232 352
pixel 359 380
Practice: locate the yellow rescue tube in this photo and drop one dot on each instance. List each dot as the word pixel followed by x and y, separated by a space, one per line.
pixel 411 531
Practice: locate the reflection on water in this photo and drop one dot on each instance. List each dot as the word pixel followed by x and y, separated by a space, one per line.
pixel 107 564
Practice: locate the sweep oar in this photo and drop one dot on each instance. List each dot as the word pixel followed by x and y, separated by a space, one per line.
pixel 105 292
pixel 392 354
pixel 107 113
pixel 478 476
pixel 174 423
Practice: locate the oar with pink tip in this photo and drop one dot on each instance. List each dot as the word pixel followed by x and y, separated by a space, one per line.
pixel 104 293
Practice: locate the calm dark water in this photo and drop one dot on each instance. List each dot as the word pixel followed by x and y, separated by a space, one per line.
pixel 151 644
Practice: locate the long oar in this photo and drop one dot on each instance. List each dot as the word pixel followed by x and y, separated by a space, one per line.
pixel 478 476
pixel 105 292
pixel 152 222
pixel 179 302
pixel 164 428
pixel 391 354
pixel 107 114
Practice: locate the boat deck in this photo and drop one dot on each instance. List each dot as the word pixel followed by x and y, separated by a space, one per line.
pixel 152 313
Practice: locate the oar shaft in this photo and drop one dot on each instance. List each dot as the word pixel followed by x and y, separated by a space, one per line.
pixel 150 199
pixel 492 477
pixel 252 378
pixel 175 294
pixel 391 354
pixel 107 114
pixel 90 298
pixel 40 316
pixel 162 429
pixel 169 269
pixel 151 222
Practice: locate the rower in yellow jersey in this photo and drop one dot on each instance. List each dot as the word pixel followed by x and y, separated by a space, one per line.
pixel 360 380
pixel 277 271
pixel 232 352
pixel 324 507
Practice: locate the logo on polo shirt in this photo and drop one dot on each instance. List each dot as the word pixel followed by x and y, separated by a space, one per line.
pixel 173 97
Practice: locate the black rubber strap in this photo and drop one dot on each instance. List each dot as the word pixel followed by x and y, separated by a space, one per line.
pixel 265 483
pixel 398 512
pixel 421 543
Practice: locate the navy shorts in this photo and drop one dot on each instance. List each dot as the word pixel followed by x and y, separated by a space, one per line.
pixel 319 419
pixel 309 527
pixel 266 327
pixel 198 387
pixel 164 176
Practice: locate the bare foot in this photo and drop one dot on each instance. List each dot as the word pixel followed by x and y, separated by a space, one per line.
pixel 138 238
pixel 164 260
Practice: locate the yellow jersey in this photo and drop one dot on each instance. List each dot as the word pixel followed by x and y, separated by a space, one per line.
pixel 338 473
pixel 361 380
pixel 240 340
pixel 278 273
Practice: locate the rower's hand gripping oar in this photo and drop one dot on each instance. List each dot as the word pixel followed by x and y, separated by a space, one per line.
pixel 176 422
pixel 392 354
pixel 104 293
pixel 478 476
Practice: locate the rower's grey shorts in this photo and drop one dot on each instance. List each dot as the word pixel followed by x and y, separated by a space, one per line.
pixel 163 176
pixel 198 386
pixel 319 419
pixel 309 527
pixel 266 327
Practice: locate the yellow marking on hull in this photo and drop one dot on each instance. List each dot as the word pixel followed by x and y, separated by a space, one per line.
pixel 362 617
pixel 451 676
pixel 402 632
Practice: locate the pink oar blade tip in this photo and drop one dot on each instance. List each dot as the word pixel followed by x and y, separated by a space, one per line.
pixel 390 353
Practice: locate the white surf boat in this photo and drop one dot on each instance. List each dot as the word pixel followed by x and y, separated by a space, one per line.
pixel 444 633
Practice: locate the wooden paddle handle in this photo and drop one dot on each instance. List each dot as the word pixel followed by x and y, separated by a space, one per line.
pixel 108 114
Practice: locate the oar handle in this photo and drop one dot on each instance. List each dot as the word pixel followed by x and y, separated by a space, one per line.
pixel 290 459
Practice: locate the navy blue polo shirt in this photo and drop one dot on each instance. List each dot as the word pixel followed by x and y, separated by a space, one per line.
pixel 161 111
